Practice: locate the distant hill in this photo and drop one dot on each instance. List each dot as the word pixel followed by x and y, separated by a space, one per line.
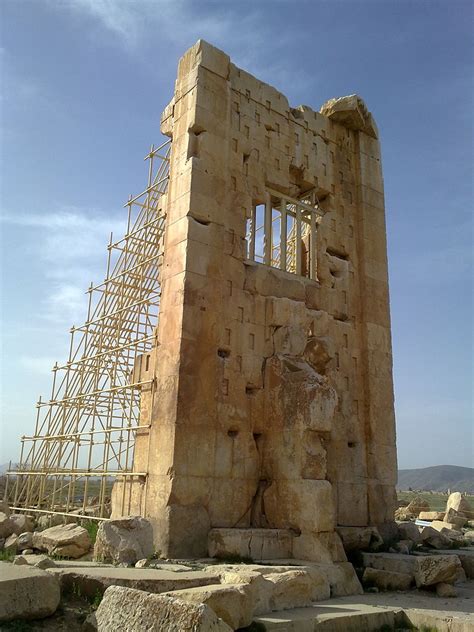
pixel 438 478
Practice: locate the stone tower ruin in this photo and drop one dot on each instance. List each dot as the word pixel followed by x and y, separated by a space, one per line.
pixel 234 372
pixel 271 418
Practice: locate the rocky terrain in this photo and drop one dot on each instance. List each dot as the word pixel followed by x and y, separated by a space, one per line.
pixel 67 577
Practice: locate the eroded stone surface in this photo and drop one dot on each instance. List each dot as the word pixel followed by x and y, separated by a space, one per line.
pixel 26 593
pixel 69 540
pixel 133 610
pixel 268 381
pixel 434 569
pixel 124 540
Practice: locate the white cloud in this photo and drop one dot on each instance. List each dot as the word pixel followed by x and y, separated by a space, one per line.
pixel 71 250
pixel 177 24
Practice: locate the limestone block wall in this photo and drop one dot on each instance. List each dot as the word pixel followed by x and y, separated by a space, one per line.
pixel 273 401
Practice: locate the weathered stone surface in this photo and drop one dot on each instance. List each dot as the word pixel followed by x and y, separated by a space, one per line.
pixel 22 523
pixel 409 531
pixel 417 505
pixel 90 579
pixel 142 563
pixel 262 424
pixel 432 537
pixel 441 525
pixel 352 112
pixel 133 610
pixel 26 593
pixel 25 541
pixel 460 504
pixel 360 538
pixel 231 603
pixel 446 590
pixel 387 580
pixel 4 508
pixel 39 561
pixel 292 589
pixel 466 557
pixel 127 539
pixel 393 562
pixel 11 543
pixel 433 569
pixel 6 525
pixel 342 579
pixel 431 515
pixel 469 535
pixel 257 544
pixel 455 517
pixel 69 540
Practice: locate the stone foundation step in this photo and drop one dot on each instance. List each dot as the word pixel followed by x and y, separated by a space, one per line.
pixel 372 612
pixel 330 616
pixel 92 579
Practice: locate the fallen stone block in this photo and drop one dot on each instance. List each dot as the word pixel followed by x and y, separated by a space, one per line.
pixel 230 602
pixel 27 593
pixel 125 540
pixel 360 538
pixel 292 589
pixel 455 517
pixel 387 580
pixel 466 557
pixel 457 502
pixel 433 538
pixel 22 523
pixel 431 515
pixel 440 525
pixel 257 588
pixel 409 531
pixel 11 543
pixel 25 541
pixel 144 563
pixel 393 562
pixel 37 560
pixel 134 610
pixel 6 525
pixel 68 540
pixel 433 569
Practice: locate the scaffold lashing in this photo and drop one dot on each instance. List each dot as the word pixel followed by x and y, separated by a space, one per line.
pixel 85 433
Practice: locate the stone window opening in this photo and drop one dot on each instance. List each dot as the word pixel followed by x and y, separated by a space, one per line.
pixel 282 233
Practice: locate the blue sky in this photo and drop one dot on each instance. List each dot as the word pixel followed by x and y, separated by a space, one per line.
pixel 83 86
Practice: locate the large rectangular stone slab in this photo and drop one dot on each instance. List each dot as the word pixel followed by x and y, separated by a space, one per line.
pixel 257 544
pixel 331 616
pixel 27 593
pixel 91 580
pixel 393 562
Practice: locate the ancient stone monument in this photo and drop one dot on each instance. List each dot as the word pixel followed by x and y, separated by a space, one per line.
pixel 234 373
pixel 270 412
